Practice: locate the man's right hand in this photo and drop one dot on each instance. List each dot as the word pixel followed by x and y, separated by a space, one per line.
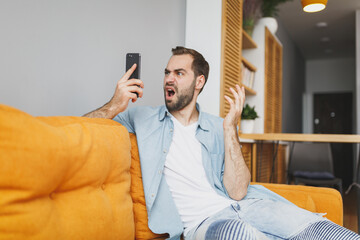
pixel 125 90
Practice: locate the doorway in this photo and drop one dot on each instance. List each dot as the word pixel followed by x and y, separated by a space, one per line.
pixel 333 114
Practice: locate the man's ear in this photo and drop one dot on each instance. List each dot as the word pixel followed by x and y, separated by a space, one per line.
pixel 200 81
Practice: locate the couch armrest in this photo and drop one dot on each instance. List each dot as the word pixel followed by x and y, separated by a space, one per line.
pixel 315 199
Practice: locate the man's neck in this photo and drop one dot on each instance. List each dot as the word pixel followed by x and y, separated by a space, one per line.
pixel 187 115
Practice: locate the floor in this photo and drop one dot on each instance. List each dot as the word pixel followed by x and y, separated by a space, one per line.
pixel 350 210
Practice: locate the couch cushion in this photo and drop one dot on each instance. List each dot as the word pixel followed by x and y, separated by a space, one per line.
pixel 315 199
pixel 142 230
pixel 64 178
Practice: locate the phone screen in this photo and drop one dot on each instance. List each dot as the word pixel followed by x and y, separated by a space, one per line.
pixel 132 58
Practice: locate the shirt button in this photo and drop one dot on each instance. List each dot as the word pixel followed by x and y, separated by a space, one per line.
pixel 164 151
pixel 152 195
pixel 160 171
pixel 171 130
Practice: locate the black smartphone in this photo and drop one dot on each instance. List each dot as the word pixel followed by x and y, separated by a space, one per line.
pixel 132 58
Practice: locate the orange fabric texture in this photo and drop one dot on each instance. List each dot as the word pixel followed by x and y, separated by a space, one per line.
pixel 142 231
pixel 64 178
pixel 315 199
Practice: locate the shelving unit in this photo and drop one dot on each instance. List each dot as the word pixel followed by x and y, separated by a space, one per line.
pixel 248 43
pixel 248 64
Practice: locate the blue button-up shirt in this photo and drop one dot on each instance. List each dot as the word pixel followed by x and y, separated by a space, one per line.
pixel 154 131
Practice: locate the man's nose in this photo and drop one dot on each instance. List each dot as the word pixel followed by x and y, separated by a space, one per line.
pixel 170 78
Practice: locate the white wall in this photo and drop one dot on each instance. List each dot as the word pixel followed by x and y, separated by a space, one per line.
pixel 331 75
pixel 203 33
pixel 65 57
pixel 293 82
pixel 257 58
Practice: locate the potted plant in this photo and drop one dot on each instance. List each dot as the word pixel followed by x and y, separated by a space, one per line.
pixel 270 10
pixel 251 13
pixel 248 117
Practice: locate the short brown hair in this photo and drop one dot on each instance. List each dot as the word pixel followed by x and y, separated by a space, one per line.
pixel 199 65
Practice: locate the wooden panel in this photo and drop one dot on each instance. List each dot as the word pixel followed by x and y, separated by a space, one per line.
pixel 247 41
pixel 247 154
pixel 280 166
pixel 253 163
pixel 299 137
pixel 273 84
pixel 230 50
pixel 270 163
pixel 248 64
pixel 264 162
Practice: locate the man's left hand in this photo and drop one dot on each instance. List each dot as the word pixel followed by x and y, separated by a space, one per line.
pixel 236 106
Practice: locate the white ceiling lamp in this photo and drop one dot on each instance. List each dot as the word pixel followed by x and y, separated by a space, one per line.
pixel 313 5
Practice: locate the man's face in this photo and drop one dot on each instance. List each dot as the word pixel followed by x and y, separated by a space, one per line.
pixel 179 82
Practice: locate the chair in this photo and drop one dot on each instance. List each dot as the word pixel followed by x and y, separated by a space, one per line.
pixel 312 164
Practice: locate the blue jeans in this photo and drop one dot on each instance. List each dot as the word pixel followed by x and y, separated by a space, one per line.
pixel 259 219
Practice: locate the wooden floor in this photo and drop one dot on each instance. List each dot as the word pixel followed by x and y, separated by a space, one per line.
pixel 350 211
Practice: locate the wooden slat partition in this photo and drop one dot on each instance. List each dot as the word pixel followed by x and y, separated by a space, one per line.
pixel 264 154
pixel 273 84
pixel 268 169
pixel 230 50
pixel 247 154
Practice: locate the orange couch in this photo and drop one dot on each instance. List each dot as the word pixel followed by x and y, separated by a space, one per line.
pixel 79 178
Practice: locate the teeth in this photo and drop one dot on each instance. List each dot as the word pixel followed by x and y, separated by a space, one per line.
pixel 170 92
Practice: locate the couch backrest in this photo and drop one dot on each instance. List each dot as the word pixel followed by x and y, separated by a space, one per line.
pixel 64 178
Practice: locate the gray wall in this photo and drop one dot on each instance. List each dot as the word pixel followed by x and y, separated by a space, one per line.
pixel 65 57
pixel 330 75
pixel 327 75
pixel 293 83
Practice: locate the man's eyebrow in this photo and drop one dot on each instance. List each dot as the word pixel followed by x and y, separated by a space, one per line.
pixel 180 70
pixel 176 70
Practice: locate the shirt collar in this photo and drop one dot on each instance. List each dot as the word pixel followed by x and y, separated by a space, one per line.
pixel 163 113
pixel 202 123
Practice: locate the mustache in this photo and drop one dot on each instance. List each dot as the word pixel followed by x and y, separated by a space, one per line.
pixel 171 85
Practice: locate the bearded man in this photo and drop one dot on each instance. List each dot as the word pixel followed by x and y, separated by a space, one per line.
pixel 196 182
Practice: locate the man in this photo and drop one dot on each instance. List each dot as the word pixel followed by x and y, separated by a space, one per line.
pixel 194 175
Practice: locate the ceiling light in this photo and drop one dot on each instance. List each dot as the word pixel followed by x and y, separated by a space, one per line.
pixel 328 51
pixel 322 24
pixel 325 39
pixel 313 5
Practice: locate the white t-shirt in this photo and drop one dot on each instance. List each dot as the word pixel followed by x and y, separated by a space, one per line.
pixel 194 197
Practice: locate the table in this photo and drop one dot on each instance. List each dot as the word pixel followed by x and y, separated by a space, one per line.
pixel 299 137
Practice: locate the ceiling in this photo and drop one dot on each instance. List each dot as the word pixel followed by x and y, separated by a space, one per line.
pixel 340 31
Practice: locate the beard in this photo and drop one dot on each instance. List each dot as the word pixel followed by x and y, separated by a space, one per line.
pixel 183 98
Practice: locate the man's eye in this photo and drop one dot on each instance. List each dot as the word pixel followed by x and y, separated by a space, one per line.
pixel 167 73
pixel 180 74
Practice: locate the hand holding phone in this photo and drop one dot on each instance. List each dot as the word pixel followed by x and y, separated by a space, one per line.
pixel 131 59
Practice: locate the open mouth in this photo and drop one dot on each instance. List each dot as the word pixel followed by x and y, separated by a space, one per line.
pixel 170 92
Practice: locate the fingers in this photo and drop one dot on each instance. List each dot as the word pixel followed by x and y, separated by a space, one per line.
pixel 236 96
pixel 136 82
pixel 127 75
pixel 239 95
pixel 229 100
pixel 237 103
pixel 136 89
